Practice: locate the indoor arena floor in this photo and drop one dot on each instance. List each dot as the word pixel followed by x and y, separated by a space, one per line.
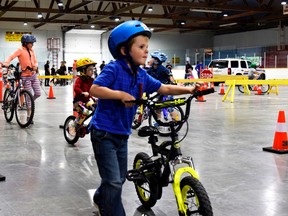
pixel 47 176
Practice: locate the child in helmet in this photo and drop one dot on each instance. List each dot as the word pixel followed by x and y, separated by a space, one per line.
pixel 82 86
pixel 158 71
pixel 29 66
pixel 120 81
pixel 164 75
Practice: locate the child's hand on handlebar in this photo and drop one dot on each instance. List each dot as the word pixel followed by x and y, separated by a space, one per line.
pixel 196 87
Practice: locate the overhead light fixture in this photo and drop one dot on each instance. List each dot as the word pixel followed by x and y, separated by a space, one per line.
pixel 92 26
pixel 39 15
pixel 25 23
pixel 283 3
pixel 225 15
pixel 151 29
pixel 182 22
pixel 150 9
pixel 205 11
pixel 117 19
pixel 228 24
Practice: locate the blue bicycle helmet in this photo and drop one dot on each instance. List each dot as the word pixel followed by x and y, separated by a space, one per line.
pixel 124 32
pixel 27 38
pixel 162 57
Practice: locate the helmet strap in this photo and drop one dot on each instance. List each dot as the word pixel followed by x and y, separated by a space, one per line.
pixel 130 60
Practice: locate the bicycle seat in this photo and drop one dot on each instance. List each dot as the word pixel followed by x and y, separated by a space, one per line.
pixel 147 131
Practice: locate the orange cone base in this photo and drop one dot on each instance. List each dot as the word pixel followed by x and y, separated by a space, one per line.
pixel 51 97
pixel 200 99
pixel 259 94
pixel 270 149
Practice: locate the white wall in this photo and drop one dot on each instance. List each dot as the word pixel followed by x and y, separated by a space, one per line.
pixel 260 38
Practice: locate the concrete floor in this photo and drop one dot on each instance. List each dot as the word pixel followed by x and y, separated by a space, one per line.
pixel 47 176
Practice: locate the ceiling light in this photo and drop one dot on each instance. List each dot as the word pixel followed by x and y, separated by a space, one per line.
pixel 283 2
pixel 25 24
pixel 225 15
pixel 92 26
pixel 183 22
pixel 150 9
pixel 117 19
pixel 205 11
pixel 39 15
pixel 228 24
pixel 151 29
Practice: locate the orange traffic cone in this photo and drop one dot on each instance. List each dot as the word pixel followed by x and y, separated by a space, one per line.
pixel 222 89
pixel 280 144
pixel 255 88
pixel 201 98
pixel 51 93
pixel 259 90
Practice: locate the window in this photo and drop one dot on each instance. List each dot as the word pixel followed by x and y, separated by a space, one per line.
pixel 218 64
pixel 243 64
pixel 234 64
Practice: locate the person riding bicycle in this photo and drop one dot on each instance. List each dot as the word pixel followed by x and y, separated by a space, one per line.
pixel 28 64
pixel 164 75
pixel 255 73
pixel 119 82
pixel 82 98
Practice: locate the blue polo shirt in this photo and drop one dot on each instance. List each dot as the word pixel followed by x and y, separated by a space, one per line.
pixel 112 115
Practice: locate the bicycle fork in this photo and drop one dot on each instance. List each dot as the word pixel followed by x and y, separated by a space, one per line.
pixel 177 179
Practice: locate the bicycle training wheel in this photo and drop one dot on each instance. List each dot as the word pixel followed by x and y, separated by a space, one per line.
pixel 147 186
pixel 8 106
pixel 176 114
pixel 195 197
pixel 25 108
pixel 69 130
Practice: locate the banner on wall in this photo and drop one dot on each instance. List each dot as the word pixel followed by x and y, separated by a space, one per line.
pixel 14 36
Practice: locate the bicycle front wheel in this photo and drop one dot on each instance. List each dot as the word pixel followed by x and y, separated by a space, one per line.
pixel 25 108
pixel 168 115
pixel 195 197
pixel 69 130
pixel 8 105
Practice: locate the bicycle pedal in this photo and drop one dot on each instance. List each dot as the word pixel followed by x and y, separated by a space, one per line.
pixel 134 175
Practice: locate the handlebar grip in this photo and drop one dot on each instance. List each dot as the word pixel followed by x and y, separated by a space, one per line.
pixel 205 92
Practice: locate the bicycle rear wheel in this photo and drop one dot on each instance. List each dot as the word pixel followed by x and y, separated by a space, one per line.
pixel 195 197
pixel 176 115
pixel 69 130
pixel 8 106
pixel 265 88
pixel 25 108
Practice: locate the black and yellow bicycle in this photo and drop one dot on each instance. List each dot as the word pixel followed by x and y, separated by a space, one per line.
pixel 167 165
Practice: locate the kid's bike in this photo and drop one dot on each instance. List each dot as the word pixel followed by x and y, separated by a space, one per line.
pixel 73 130
pixel 167 165
pixel 19 101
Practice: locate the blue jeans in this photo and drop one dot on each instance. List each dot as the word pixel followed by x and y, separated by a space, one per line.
pixel 111 156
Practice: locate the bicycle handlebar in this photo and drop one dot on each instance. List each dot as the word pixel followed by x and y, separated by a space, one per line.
pixel 155 105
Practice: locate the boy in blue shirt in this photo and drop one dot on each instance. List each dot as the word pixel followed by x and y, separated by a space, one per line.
pixel 111 124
